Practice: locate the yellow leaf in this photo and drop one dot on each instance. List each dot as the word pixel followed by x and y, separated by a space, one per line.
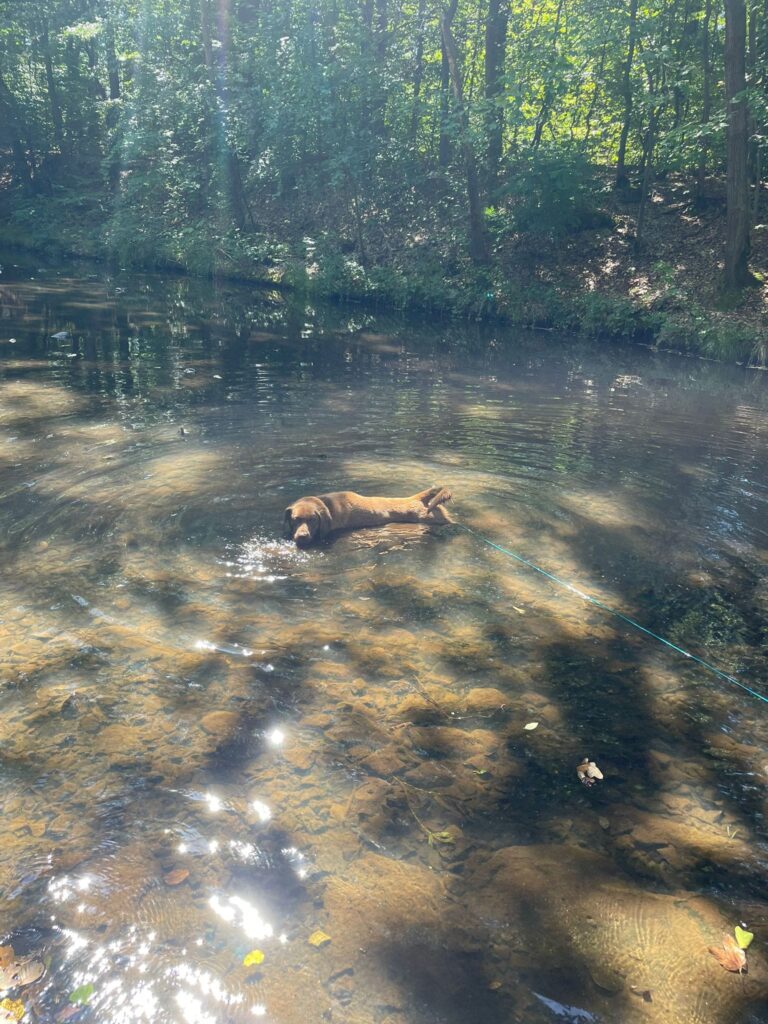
pixel 14 1007
pixel 318 938
pixel 254 957
pixel 743 937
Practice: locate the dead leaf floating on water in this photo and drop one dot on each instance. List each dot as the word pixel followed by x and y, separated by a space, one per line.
pixel 732 957
pixel 253 958
pixel 743 937
pixel 318 938
pixel 16 972
pixel 588 772
pixel 176 877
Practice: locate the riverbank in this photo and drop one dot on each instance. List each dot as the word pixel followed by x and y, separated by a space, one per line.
pixel 592 278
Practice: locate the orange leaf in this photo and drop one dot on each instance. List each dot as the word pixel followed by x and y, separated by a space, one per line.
pixel 176 877
pixel 732 957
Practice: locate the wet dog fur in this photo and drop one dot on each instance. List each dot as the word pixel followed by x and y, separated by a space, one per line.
pixel 312 518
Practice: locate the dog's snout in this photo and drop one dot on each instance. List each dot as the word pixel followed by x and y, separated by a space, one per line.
pixel 302 535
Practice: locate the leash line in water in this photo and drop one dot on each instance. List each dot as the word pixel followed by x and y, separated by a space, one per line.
pixel 619 615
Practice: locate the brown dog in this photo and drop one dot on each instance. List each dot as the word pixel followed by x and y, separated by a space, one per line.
pixel 310 519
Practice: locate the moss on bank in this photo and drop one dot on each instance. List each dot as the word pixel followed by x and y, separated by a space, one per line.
pixel 593 282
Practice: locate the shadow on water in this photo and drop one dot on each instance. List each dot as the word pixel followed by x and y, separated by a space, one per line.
pixel 217 744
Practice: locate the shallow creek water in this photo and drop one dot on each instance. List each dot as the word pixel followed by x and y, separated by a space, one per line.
pixel 213 743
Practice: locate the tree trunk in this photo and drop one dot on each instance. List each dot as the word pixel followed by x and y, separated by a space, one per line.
pixel 495 45
pixel 478 243
pixel 53 91
pixel 444 143
pixel 737 182
pixel 706 101
pixel 112 120
pixel 649 144
pixel 418 69
pixel 621 173
pixel 546 104
pixel 10 115
pixel 593 102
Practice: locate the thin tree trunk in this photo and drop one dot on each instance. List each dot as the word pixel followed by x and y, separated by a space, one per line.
pixel 418 69
pixel 10 114
pixel 706 102
pixel 381 31
pixel 53 90
pixel 444 143
pixel 596 92
pixel 478 243
pixel 649 144
pixel 495 46
pixel 737 182
pixel 626 89
pixel 546 103
pixel 753 154
pixel 113 114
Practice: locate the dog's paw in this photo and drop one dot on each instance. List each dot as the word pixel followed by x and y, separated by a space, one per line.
pixel 440 497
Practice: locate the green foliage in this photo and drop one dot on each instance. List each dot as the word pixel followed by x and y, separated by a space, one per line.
pixel 553 191
pixel 695 329
pixel 605 315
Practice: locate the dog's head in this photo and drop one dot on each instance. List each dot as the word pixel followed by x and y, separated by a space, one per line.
pixel 306 521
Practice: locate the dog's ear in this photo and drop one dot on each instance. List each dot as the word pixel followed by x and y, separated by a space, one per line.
pixel 287 515
pixel 326 523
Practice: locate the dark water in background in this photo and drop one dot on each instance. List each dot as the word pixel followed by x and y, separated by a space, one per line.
pixel 333 741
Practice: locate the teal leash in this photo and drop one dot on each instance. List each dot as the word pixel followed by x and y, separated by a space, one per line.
pixel 612 611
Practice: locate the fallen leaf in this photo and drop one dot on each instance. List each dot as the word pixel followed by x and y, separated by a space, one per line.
pixel 7 956
pixel 81 995
pixel 444 838
pixel 743 937
pixel 588 772
pixel 68 1012
pixel 13 1007
pixel 645 993
pixel 732 957
pixel 530 726
pixel 176 877
pixel 318 938
pixel 254 957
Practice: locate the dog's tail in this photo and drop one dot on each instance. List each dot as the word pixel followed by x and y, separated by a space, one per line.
pixel 434 496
